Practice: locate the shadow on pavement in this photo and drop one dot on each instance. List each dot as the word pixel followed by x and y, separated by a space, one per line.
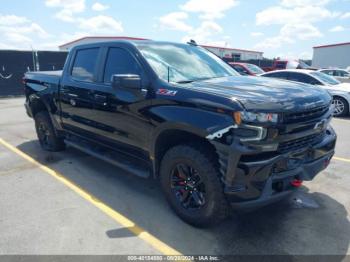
pixel 304 224
pixel 120 233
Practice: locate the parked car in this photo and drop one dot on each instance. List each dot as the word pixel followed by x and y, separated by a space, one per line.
pixel 280 64
pixel 339 91
pixel 340 74
pixel 246 69
pixel 177 113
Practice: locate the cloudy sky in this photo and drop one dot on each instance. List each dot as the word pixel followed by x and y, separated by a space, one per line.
pixel 285 28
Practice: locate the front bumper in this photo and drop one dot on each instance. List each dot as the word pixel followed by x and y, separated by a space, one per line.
pixel 254 179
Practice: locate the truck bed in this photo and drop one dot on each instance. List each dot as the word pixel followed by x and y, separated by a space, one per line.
pixel 52 77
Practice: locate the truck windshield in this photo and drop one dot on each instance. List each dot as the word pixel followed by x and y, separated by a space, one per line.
pixel 183 63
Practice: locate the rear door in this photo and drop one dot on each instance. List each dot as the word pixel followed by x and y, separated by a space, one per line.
pixel 78 83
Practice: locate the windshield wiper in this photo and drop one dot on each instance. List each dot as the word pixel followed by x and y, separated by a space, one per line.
pixel 198 79
pixel 185 82
pixel 194 80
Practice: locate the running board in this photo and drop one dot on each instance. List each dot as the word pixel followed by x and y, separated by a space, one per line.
pixel 120 160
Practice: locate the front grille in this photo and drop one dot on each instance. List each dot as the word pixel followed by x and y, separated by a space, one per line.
pixel 310 114
pixel 299 143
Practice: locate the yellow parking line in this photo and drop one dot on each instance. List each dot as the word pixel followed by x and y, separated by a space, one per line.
pixel 124 221
pixel 341 159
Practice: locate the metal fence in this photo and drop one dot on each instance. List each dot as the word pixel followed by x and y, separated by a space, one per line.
pixel 13 65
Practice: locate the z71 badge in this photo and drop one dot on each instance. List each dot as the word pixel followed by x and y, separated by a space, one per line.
pixel 166 92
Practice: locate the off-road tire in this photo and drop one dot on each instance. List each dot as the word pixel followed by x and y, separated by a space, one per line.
pixel 48 139
pixel 216 207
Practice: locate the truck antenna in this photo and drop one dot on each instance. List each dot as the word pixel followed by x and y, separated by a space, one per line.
pixel 192 42
pixel 168 74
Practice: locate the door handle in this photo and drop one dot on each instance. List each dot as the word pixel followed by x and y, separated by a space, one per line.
pixel 100 98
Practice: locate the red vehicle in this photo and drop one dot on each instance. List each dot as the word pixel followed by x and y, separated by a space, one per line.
pixel 256 67
pixel 246 69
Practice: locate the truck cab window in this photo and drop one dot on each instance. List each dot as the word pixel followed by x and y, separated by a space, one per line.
pixel 84 64
pixel 120 61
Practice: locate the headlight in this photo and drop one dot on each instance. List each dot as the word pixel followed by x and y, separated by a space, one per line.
pixel 251 117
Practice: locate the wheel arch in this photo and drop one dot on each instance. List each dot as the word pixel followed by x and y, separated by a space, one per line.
pixel 36 104
pixel 170 137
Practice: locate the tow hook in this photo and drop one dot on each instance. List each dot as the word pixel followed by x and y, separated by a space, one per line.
pixel 326 162
pixel 296 183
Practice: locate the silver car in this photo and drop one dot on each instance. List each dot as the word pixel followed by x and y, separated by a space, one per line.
pixel 339 91
pixel 340 74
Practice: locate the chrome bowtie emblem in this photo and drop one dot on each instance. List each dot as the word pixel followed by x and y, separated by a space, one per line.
pixel 320 125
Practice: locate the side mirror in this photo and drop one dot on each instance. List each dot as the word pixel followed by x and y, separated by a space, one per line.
pixel 126 81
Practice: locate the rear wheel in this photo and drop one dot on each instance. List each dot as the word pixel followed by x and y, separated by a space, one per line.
pixel 341 106
pixel 46 132
pixel 191 183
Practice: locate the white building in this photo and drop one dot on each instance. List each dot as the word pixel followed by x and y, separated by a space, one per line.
pixel 234 53
pixel 336 55
pixel 94 39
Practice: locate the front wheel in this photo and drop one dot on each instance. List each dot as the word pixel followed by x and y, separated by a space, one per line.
pixel 191 182
pixel 341 106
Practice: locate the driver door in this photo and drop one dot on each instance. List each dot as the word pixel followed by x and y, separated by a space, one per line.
pixel 120 112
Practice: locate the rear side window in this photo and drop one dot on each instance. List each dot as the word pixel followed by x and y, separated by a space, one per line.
pixel 303 78
pixel 84 64
pixel 281 75
pixel 328 72
pixel 120 61
pixel 342 73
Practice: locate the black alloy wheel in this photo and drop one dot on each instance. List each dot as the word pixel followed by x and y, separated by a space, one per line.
pixel 44 135
pixel 190 179
pixel 47 135
pixel 187 186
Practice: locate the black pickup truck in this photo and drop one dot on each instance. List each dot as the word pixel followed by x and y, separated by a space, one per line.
pixel 177 113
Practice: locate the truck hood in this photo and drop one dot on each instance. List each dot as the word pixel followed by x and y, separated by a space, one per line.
pixel 265 94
